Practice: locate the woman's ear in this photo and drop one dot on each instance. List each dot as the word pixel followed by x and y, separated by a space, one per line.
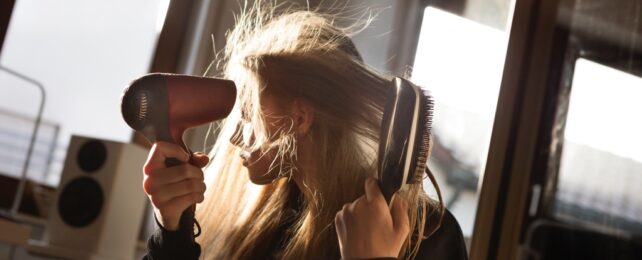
pixel 303 115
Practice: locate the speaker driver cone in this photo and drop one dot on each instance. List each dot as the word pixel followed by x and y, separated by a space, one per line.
pixel 80 202
pixel 92 155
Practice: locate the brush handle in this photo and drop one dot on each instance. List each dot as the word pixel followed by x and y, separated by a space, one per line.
pixel 387 190
pixel 187 217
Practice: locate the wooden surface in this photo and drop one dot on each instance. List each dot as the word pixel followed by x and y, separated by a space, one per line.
pixel 14 233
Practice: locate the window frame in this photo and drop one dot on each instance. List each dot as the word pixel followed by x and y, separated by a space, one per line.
pixel 516 128
pixel 521 166
pixel 6 9
pixel 506 187
pixel 568 48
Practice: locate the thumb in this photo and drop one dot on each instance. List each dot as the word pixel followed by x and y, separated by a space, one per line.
pixel 199 159
pixel 373 192
pixel 399 212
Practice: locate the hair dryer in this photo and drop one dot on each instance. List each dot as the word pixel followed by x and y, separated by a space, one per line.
pixel 163 106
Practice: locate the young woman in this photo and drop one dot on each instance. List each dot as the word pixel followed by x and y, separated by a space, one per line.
pixel 300 144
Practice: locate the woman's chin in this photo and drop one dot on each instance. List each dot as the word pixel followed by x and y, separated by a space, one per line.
pixel 261 179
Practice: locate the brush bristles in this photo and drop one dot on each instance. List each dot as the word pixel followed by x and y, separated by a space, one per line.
pixel 426 114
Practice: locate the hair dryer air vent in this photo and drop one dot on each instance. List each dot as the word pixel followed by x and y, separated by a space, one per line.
pixel 163 106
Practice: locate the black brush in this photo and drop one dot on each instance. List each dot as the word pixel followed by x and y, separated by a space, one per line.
pixel 404 141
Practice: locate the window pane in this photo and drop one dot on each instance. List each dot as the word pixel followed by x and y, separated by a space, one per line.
pixel 84 53
pixel 601 164
pixel 461 62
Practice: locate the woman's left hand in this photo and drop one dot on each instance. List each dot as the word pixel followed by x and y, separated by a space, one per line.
pixel 367 228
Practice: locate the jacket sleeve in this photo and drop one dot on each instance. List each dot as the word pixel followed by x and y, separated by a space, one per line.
pixel 166 244
pixel 447 242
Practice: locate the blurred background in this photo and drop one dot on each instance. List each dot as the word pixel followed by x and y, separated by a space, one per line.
pixel 536 125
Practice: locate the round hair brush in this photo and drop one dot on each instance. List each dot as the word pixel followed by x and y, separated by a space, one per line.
pixel 162 106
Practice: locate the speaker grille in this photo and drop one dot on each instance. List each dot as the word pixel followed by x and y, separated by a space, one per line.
pixel 80 202
pixel 92 155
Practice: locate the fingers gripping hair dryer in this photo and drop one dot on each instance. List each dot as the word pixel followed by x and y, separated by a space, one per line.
pixel 162 106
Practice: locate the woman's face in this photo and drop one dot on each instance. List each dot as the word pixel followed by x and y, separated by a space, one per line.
pixel 261 166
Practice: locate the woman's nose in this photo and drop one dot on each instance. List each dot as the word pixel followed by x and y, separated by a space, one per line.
pixel 237 137
pixel 243 135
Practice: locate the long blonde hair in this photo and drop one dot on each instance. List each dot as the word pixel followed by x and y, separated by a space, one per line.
pixel 296 55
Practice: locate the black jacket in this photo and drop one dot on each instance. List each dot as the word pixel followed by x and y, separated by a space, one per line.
pixel 446 243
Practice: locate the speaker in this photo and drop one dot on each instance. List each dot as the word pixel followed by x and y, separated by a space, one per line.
pixel 99 204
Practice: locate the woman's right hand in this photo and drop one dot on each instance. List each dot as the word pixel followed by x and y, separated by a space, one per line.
pixel 174 189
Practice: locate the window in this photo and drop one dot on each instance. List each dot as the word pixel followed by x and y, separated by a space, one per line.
pixel 587 163
pixel 601 163
pixel 460 62
pixel 84 53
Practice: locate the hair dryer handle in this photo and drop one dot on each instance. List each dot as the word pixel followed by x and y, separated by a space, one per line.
pixel 171 162
pixel 187 217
